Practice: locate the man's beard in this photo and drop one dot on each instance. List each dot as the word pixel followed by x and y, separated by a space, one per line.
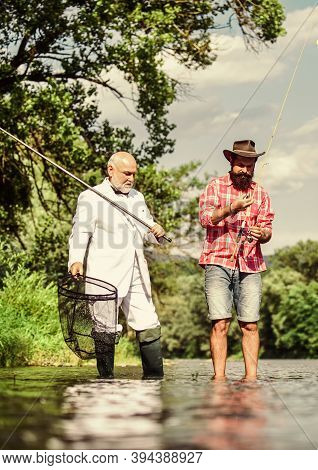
pixel 241 181
pixel 125 189
pixel 121 188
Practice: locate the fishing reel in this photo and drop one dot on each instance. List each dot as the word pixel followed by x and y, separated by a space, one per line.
pixel 249 237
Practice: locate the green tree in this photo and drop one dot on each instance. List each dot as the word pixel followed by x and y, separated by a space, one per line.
pixel 289 310
pixel 55 53
pixel 178 290
pixel 51 119
pixel 275 284
pixel 47 236
pixel 177 285
pixel 295 323
pixel 302 257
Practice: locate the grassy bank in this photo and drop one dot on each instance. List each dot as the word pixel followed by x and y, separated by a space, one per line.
pixel 30 332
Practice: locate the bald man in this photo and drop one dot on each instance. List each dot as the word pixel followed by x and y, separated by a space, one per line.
pixel 111 243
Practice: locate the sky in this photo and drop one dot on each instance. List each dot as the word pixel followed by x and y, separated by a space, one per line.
pixel 217 95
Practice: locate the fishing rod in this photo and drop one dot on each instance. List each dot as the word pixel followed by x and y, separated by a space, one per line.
pixel 239 240
pixel 59 167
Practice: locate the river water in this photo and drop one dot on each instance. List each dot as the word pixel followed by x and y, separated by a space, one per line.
pixel 69 408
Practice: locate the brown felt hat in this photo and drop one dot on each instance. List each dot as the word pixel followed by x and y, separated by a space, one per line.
pixel 243 148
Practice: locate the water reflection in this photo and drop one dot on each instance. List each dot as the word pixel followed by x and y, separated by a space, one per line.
pixel 119 414
pixel 67 408
pixel 233 417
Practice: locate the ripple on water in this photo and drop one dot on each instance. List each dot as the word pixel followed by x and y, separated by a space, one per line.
pixel 55 408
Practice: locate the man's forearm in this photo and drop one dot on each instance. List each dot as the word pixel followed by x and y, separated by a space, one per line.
pixel 221 214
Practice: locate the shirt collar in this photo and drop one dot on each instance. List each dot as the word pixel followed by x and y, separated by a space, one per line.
pixel 227 180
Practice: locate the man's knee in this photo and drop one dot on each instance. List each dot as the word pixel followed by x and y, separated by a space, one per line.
pixel 221 327
pixel 248 328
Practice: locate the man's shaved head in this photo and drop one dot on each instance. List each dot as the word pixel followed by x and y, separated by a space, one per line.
pixel 119 158
pixel 122 168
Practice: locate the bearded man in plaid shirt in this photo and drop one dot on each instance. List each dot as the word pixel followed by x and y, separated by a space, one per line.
pixel 237 215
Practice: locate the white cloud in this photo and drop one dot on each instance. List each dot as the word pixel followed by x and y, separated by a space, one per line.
pixel 224 118
pixel 288 170
pixel 309 129
pixel 235 65
pixel 196 116
pixel 206 111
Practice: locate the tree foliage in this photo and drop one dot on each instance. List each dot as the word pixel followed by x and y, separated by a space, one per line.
pixel 275 283
pixel 168 195
pixel 302 257
pixel 55 57
pixel 56 53
pixel 52 119
pixel 289 306
pixel 295 323
pixel 73 39
pixel 177 286
pixel 29 317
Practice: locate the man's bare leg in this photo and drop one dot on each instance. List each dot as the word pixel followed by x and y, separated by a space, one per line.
pixel 250 348
pixel 218 346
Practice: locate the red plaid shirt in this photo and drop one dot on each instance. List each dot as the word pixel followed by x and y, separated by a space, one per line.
pixel 220 241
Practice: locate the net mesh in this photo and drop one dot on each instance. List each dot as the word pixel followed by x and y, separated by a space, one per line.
pixel 87 307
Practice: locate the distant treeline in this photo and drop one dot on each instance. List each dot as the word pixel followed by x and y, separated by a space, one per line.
pixel 29 324
pixel 289 310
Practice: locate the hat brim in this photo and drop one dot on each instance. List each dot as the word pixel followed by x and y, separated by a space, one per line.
pixel 240 153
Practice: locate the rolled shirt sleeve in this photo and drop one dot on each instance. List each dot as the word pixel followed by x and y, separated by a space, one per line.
pixel 209 201
pixel 266 214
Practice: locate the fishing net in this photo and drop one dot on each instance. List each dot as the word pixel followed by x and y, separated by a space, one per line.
pixel 88 308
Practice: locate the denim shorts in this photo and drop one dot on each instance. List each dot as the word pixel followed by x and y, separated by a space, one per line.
pixel 223 288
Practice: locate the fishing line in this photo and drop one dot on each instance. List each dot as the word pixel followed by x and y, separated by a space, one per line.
pixel 256 90
pixel 281 399
pixel 246 215
pixel 279 117
pixel 59 167
pixel 51 380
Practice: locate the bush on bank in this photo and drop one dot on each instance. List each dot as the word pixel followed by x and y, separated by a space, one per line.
pixel 30 332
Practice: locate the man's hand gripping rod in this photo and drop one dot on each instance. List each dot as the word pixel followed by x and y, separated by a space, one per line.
pixel 239 238
pixel 115 204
